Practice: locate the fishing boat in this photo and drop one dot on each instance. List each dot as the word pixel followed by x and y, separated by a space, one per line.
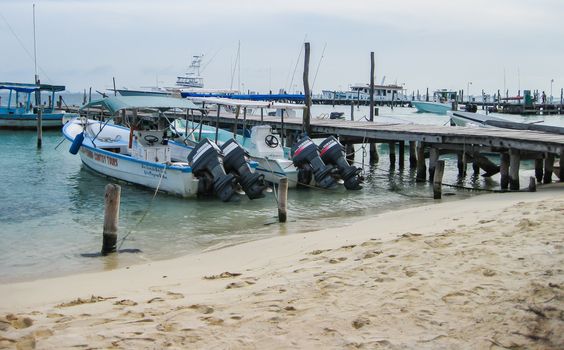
pixel 441 104
pixel 304 164
pixel 21 113
pixel 143 154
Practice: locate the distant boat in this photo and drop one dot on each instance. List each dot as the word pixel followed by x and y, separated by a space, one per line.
pixel 441 104
pixel 20 113
pixel 431 107
pixel 361 92
pixel 459 118
pixel 192 78
pixel 145 156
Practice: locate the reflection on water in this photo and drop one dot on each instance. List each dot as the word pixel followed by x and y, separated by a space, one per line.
pixel 51 208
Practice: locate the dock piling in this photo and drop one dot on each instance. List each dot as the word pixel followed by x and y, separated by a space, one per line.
pixel 401 159
pixel 421 168
pixel 111 218
pixel 539 168
pixel 438 179
pixel 392 150
pixel 504 171
pixel 532 184
pixel 413 152
pixel 461 163
pixel 548 168
pixel 307 94
pixel 433 158
pixel 282 199
pixel 374 157
pixel 561 166
pixel 514 162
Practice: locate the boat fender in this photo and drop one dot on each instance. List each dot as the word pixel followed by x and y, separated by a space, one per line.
pixel 76 143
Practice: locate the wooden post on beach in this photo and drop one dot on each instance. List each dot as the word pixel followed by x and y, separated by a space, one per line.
pixel 514 162
pixel 111 218
pixel 504 170
pixel 282 199
pixel 401 154
pixel 392 150
pixel 539 168
pixel 438 179
pixel 413 152
pixel 548 168
pixel 433 158
pixel 307 93
pixel 421 168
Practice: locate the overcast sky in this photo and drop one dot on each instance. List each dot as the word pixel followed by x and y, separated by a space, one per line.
pixel 430 43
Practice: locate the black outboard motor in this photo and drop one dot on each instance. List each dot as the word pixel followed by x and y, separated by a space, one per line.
pixel 206 163
pixel 306 159
pixel 331 152
pixel 234 161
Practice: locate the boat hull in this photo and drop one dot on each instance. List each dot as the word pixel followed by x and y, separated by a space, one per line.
pixel 431 107
pixel 29 121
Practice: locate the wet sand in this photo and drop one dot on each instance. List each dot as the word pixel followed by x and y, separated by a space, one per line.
pixel 485 273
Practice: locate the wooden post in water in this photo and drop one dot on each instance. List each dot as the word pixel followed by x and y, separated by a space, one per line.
pixel 438 179
pixel 111 218
pixel 532 184
pixel 461 163
pixel 539 168
pixel 39 114
pixel 392 150
pixel 548 168
pixel 401 159
pixel 433 158
pixel 282 199
pixel 307 93
pixel 374 157
pixel 504 170
pixel 421 168
pixel 413 153
pixel 514 162
pixel 349 152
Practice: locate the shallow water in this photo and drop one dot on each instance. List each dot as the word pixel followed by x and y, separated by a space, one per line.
pixel 51 208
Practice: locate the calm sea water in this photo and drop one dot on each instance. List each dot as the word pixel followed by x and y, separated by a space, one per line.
pixel 51 207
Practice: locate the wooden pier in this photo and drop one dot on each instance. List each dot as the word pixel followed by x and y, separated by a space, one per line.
pixel 428 141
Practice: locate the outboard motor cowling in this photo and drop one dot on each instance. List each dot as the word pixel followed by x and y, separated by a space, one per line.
pixel 206 163
pixel 331 152
pixel 306 158
pixel 234 161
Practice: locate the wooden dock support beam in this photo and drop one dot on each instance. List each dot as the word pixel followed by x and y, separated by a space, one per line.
pixel 548 168
pixel 504 170
pixel 307 94
pixel 433 158
pixel 532 184
pixel 112 199
pixel 539 168
pixel 412 154
pixel 561 161
pixel 438 179
pixel 282 199
pixel 374 157
pixel 401 160
pixel 392 150
pixel 421 168
pixel 514 162
pixel 461 163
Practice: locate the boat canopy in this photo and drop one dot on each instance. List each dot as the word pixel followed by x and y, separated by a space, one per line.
pixel 28 88
pixel 246 103
pixel 117 103
pixel 253 97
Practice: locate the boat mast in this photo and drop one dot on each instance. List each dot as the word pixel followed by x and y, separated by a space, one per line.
pixel 35 48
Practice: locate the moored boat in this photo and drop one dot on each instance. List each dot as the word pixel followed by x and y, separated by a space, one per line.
pixel 21 113
pixel 144 155
pixel 431 107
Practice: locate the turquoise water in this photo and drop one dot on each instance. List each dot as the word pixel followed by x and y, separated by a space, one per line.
pixel 51 208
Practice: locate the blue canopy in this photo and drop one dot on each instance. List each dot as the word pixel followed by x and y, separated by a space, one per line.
pixel 252 97
pixel 117 103
pixel 28 88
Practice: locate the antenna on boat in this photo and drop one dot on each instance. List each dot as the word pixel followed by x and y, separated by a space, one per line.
pixel 35 48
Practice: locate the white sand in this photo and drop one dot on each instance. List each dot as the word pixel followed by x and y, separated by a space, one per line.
pixel 486 272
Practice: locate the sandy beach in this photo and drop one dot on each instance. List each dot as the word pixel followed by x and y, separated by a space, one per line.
pixel 482 273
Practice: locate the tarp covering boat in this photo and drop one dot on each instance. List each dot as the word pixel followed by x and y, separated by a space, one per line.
pixel 117 103
pixel 246 103
pixel 27 88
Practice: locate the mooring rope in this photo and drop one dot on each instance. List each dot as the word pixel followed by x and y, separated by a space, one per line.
pixel 146 210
